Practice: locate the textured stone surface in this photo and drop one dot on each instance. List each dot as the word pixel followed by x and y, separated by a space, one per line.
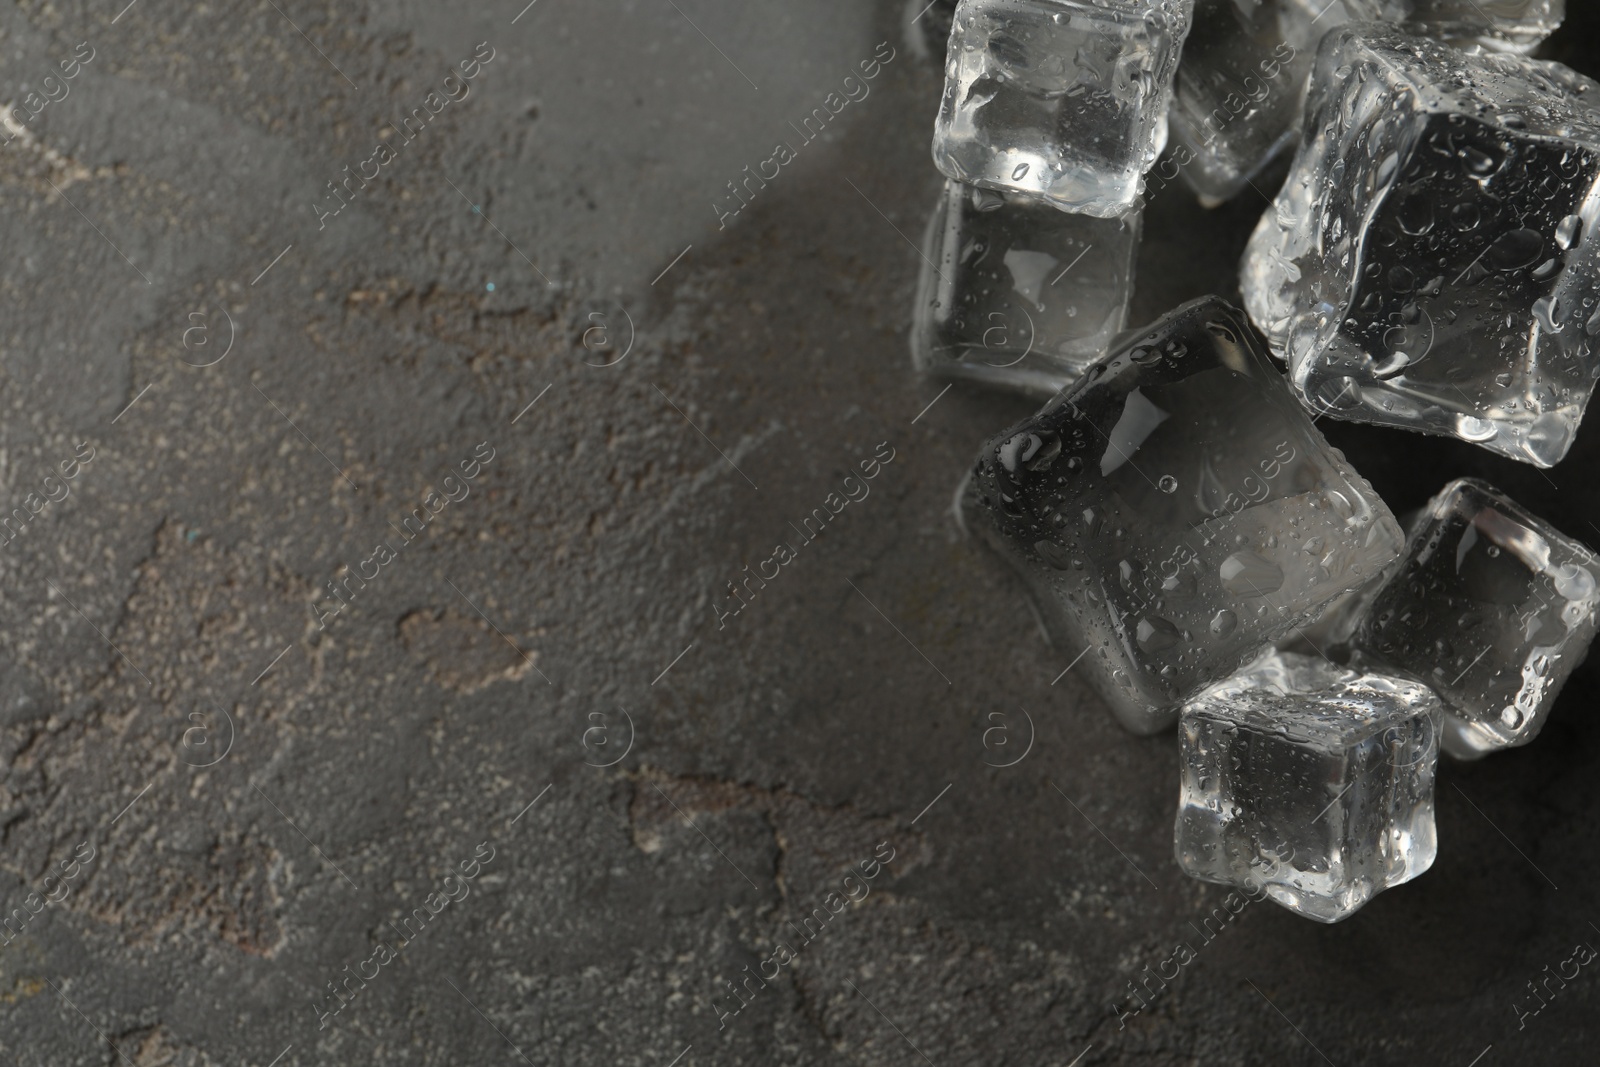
pixel 600 139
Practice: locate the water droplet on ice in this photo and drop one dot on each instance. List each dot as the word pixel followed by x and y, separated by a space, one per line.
pixel 1398 359
pixel 987 199
pixel 1386 169
pixel 1019 449
pixel 1478 161
pixel 1469 428
pixel 1020 172
pixel 1180 585
pixel 1156 634
pixel 1568 230
pixel 1573 582
pixel 1338 394
pixel 1416 214
pixel 1245 574
pixel 1515 249
pixel 1053 554
pixel 1223 622
pixel 1045 456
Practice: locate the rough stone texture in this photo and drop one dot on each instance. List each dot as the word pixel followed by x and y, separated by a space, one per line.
pixel 254 833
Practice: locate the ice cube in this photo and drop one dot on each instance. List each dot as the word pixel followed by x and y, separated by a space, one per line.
pixel 1016 292
pixel 1504 25
pixel 1065 99
pixel 1175 510
pixel 1308 782
pixel 1240 87
pixel 1492 608
pixel 1329 636
pixel 1430 263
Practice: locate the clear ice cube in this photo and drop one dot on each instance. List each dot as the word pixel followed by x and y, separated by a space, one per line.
pixel 1492 608
pixel 1431 262
pixel 1309 783
pixel 1015 292
pixel 1174 511
pixel 1065 99
pixel 1329 636
pixel 1240 87
pixel 1503 25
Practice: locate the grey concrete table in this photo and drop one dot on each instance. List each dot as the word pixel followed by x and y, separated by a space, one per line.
pixel 371 694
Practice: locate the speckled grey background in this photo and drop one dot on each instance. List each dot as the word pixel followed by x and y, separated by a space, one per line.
pixel 268 789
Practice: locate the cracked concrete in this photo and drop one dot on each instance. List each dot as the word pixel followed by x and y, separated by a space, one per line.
pixel 270 787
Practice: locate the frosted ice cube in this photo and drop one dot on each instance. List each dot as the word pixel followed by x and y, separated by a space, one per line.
pixel 1240 87
pixel 1175 510
pixel 1506 25
pixel 1492 608
pixel 1308 782
pixel 1431 261
pixel 1016 292
pixel 1065 99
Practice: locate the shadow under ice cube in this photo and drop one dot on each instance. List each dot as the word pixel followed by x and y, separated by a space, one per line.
pixel 1064 99
pixel 1015 292
pixel 1308 782
pixel 1492 608
pixel 1176 510
pixel 1431 262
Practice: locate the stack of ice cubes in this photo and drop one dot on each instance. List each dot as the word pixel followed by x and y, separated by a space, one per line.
pixel 1179 522
pixel 1052 112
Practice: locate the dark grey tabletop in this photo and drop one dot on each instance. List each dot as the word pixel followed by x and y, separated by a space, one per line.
pixel 509 790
